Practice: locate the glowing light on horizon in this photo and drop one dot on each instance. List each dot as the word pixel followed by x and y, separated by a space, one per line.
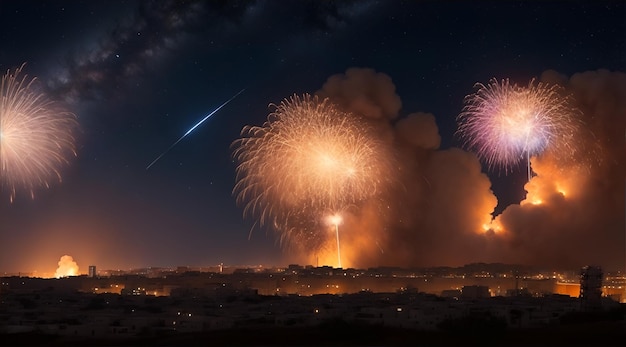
pixel 505 123
pixel 67 267
pixel 35 135
pixel 308 158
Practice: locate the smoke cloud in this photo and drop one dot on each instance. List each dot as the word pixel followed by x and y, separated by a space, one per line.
pixel 67 267
pixel 573 213
pixel 364 92
pixel 440 210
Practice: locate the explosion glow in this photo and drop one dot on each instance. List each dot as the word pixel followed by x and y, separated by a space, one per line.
pixel 307 159
pixel 35 135
pixel 505 123
pixel 67 267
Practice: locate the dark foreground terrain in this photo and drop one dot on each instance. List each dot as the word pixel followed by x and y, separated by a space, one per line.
pixel 340 333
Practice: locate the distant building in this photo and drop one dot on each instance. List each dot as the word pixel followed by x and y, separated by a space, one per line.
pixel 451 293
pixel 518 292
pixel 92 271
pixel 294 268
pixel 591 287
pixel 475 292
pixel 134 291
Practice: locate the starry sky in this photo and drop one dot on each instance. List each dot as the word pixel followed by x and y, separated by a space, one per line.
pixel 139 74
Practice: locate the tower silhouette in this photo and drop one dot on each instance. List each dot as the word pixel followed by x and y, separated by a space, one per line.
pixel 591 288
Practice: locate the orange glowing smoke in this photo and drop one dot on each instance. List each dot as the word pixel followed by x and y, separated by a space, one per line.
pixel 551 187
pixel 573 211
pixel 67 267
pixel 362 236
pixel 553 183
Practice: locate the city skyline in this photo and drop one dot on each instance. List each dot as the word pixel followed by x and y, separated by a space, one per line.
pixel 140 75
pixel 492 300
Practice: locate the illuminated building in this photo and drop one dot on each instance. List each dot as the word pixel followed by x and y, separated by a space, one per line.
pixel 92 271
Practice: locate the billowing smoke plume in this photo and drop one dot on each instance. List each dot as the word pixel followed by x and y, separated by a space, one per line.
pixel 67 267
pixel 574 210
pixel 439 213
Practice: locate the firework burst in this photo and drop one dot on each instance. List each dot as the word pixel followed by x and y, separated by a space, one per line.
pixel 307 159
pixel 505 123
pixel 35 135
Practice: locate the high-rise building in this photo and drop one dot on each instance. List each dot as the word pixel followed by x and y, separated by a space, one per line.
pixel 591 287
pixel 92 271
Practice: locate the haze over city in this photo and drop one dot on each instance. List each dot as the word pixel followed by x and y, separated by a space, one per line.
pixel 141 176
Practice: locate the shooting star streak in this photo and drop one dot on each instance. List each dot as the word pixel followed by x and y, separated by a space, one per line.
pixel 193 128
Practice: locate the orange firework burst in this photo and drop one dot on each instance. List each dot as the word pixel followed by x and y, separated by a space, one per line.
pixel 307 159
pixel 35 135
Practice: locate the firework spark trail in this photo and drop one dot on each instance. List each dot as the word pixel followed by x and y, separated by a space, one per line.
pixel 335 220
pixel 193 128
pixel 308 158
pixel 505 123
pixel 35 135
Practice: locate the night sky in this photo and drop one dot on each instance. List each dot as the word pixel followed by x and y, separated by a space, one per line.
pixel 139 74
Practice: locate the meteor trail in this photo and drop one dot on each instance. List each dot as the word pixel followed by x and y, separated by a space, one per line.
pixel 193 128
